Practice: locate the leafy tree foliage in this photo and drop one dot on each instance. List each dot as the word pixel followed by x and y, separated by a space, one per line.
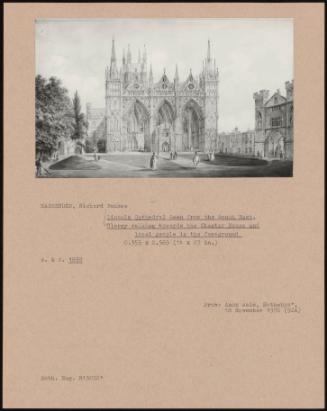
pixel 54 117
pixel 89 146
pixel 80 123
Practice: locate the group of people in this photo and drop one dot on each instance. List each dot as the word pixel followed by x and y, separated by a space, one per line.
pixel 154 159
pixel 196 158
pixel 173 156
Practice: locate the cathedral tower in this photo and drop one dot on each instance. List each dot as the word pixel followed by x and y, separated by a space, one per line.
pixel 113 104
pixel 209 80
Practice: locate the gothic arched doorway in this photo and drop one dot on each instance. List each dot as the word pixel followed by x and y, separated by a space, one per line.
pixel 164 132
pixel 274 145
pixel 138 128
pixel 192 126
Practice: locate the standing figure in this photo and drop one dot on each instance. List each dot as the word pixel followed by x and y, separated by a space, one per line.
pixel 175 155
pixel 282 148
pixel 153 161
pixel 196 159
pixel 171 155
pixel 38 166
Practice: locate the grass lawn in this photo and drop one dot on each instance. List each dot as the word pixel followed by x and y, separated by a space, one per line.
pixel 137 165
pixel 75 163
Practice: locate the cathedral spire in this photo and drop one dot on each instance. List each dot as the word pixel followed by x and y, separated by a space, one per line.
pixel 113 51
pixel 129 54
pixel 209 51
pixel 190 76
pixel 176 74
pixel 151 75
pixel 144 55
pixel 113 66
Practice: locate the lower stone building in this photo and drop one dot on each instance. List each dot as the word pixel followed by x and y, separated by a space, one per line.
pixel 237 142
pixel 274 123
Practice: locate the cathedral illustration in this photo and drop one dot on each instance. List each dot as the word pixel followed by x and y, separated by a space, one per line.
pixel 142 114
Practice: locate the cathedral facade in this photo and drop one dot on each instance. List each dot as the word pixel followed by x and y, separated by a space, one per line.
pixel 141 114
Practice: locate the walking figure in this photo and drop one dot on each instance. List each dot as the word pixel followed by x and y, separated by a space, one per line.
pixel 175 155
pixel 196 159
pixel 153 161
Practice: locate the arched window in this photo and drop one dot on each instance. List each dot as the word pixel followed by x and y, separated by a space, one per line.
pixel 259 119
pixel 114 124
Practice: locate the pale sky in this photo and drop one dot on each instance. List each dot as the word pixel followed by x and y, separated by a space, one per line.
pixel 251 54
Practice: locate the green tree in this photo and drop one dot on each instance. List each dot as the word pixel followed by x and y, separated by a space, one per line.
pixel 80 123
pixel 89 146
pixel 53 114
